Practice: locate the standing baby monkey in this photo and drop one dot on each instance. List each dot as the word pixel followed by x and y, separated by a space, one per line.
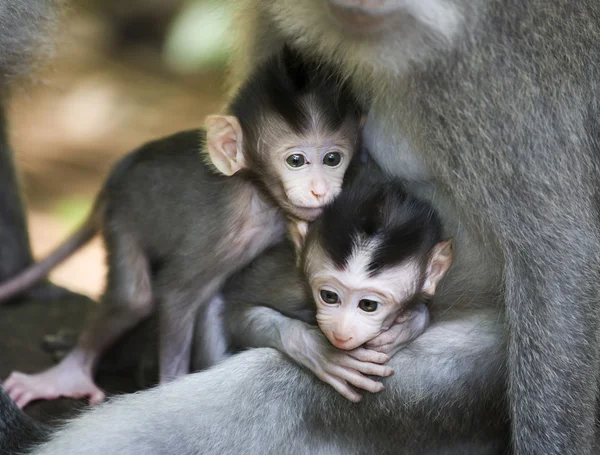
pixel 372 260
pixel 175 229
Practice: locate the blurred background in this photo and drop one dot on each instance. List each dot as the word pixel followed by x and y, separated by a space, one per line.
pixel 124 72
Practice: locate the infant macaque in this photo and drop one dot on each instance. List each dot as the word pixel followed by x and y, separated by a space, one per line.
pixel 372 260
pixel 181 214
pixel 375 253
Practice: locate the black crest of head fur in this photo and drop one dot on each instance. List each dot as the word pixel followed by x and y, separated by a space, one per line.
pixel 401 225
pixel 281 86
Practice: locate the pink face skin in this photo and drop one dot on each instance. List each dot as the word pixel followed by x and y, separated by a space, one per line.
pixel 353 307
pixel 311 172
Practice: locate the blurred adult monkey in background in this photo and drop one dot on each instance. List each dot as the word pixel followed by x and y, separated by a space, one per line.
pixel 25 29
pixel 496 104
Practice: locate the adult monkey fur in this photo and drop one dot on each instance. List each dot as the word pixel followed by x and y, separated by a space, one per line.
pixel 175 229
pixel 496 104
pixel 25 27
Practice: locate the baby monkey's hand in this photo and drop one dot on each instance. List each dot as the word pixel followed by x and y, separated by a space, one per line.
pixel 408 326
pixel 341 369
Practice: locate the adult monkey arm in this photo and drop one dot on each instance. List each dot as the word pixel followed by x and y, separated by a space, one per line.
pixel 497 101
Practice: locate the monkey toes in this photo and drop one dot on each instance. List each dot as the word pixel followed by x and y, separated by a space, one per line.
pixel 51 384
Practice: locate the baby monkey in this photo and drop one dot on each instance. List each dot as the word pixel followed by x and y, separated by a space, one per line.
pixel 372 261
pixel 376 252
pixel 176 226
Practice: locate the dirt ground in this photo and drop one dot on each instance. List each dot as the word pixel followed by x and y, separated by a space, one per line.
pixel 78 117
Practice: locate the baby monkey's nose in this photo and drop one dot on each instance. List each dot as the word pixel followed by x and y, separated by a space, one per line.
pixel 341 340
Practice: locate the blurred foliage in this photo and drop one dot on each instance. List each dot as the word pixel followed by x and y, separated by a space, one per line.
pixel 199 38
pixel 73 210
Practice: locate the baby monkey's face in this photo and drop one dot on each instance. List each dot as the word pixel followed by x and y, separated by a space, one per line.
pixel 354 306
pixel 311 171
pixel 303 171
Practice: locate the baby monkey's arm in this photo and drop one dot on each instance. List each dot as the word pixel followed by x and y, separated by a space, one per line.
pixel 258 326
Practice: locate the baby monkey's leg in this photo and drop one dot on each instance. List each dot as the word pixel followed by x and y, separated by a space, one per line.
pixel 407 326
pixel 128 300
pixel 179 304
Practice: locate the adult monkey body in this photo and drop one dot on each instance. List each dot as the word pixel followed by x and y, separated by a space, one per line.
pixel 498 105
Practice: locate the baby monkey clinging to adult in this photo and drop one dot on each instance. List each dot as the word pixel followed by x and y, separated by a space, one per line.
pixel 376 252
pixel 372 260
pixel 175 229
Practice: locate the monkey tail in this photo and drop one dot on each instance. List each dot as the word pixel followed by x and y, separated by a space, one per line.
pixel 39 270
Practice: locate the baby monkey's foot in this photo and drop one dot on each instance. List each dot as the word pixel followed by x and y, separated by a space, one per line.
pixel 59 381
pixel 408 326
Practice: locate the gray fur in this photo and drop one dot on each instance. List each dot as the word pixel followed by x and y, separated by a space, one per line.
pixel 18 431
pixel 26 29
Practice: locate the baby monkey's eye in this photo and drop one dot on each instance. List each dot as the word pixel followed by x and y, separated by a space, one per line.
pixel 368 305
pixel 329 296
pixel 332 159
pixel 295 160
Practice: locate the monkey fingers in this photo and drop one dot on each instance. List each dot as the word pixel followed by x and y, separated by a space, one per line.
pixel 372 369
pixel 368 355
pixel 406 327
pixel 354 377
pixel 342 387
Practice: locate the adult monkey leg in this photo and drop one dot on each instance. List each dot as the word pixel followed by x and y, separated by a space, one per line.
pixel 445 398
pixel 25 28
pixel 498 103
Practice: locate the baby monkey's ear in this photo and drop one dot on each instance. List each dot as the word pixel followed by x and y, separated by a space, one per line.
pixel 298 230
pixel 439 263
pixel 224 143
